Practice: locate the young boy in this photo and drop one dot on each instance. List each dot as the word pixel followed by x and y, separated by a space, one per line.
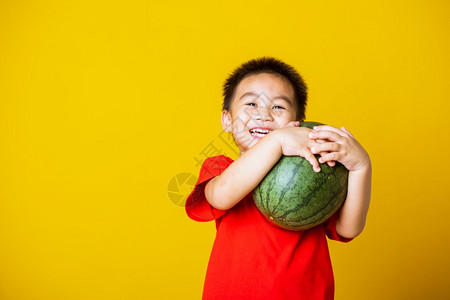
pixel 264 102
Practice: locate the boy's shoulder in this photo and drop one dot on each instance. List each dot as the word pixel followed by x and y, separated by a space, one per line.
pixel 216 164
pixel 218 159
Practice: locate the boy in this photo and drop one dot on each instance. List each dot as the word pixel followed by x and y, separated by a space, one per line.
pixel 264 102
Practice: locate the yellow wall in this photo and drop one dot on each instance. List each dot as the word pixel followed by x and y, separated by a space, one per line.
pixel 103 103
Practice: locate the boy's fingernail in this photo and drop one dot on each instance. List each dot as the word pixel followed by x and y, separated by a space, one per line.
pixel 313 149
pixel 311 134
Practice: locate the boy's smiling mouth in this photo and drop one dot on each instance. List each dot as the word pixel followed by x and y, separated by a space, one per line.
pixel 260 132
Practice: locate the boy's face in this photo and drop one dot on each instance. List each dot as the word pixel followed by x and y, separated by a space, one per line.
pixel 261 103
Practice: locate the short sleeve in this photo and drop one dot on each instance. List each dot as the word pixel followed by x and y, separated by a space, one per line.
pixel 197 207
pixel 330 229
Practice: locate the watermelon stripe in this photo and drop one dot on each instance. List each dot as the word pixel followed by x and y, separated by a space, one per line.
pixel 270 187
pixel 292 183
pixel 332 202
pixel 307 198
pixel 327 211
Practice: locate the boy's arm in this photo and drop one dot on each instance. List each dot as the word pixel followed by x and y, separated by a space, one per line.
pixel 352 217
pixel 245 173
pixel 343 147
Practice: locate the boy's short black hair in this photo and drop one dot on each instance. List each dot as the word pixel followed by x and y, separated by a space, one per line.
pixel 266 65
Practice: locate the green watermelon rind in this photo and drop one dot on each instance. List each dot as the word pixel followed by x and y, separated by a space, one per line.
pixel 303 203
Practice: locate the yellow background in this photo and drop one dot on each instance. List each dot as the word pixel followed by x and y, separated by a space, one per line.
pixel 102 103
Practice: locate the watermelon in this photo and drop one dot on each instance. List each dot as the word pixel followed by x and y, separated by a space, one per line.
pixel 295 197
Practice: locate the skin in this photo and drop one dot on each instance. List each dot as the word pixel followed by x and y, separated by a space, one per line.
pixel 265 103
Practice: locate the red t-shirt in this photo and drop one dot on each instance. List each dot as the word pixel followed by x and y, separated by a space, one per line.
pixel 254 259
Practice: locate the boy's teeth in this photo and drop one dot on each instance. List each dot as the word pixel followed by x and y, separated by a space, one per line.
pixel 259 132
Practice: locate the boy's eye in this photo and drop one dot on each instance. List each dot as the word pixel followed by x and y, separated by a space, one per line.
pixel 278 107
pixel 251 104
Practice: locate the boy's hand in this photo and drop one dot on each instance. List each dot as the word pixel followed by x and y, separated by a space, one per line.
pixel 331 163
pixel 340 146
pixel 295 141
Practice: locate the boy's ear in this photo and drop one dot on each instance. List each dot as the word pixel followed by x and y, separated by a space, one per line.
pixel 226 121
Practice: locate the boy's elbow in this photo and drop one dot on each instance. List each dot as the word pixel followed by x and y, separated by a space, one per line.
pixel 349 232
pixel 216 197
pixel 219 202
pixel 219 205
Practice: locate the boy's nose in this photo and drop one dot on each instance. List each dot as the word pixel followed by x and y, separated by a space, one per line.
pixel 263 114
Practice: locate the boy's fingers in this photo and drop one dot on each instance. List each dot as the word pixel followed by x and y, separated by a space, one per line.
pixel 319 141
pixel 325 135
pixel 331 163
pixel 326 147
pixel 329 128
pixel 313 161
pixel 333 156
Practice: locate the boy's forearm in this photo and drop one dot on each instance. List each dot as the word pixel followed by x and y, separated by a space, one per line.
pixel 244 174
pixel 352 216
